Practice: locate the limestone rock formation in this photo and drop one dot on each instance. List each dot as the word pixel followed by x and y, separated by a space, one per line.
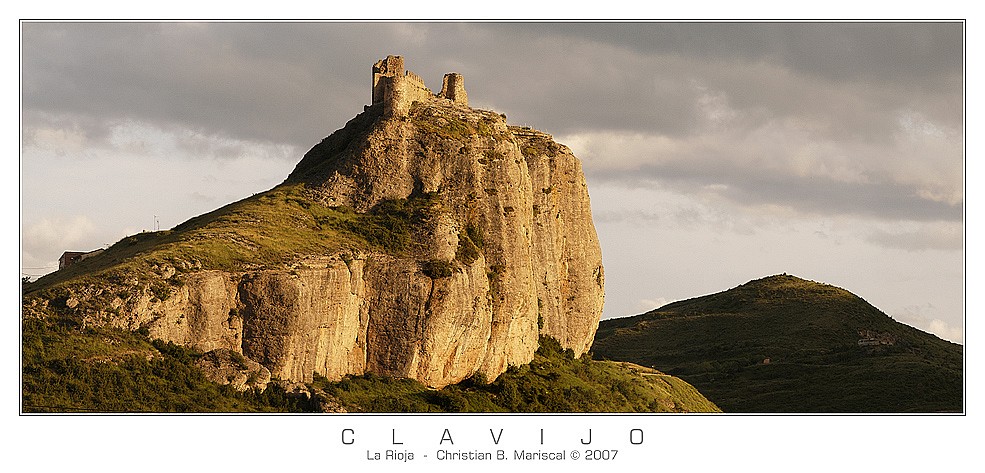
pixel 501 250
pixel 225 366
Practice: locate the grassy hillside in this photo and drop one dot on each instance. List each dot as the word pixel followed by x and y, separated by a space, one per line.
pixel 784 344
pixel 268 230
pixel 69 368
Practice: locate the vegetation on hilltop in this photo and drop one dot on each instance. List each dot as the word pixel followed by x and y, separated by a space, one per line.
pixel 268 230
pixel 784 344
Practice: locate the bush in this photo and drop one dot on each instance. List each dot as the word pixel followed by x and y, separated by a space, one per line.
pixel 388 225
pixel 161 290
pixel 436 269
pixel 468 251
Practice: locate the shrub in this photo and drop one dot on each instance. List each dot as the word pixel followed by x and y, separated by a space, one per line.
pixel 475 234
pixel 468 251
pixel 161 290
pixel 388 225
pixel 436 269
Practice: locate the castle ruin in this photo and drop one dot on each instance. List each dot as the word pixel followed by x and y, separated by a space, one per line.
pixel 398 89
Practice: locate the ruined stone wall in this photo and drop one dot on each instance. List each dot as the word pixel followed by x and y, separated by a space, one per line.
pixel 416 89
pixel 399 92
pixel 397 89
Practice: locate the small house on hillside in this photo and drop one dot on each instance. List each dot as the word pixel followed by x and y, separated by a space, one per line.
pixel 69 258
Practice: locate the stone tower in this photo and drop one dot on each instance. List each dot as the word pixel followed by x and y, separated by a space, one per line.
pixel 453 88
pixel 392 66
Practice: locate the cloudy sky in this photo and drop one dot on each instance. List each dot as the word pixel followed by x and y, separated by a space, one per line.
pixel 715 153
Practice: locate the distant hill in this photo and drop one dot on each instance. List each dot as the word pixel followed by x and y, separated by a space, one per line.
pixel 785 344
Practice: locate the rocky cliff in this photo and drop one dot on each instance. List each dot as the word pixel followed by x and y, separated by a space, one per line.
pixel 425 239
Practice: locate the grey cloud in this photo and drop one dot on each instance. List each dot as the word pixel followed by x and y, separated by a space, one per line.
pixel 750 186
pixel 269 82
pixel 638 217
pixel 641 77
pixel 87 128
pixel 933 237
pixel 296 82
pixel 919 53
pixel 822 196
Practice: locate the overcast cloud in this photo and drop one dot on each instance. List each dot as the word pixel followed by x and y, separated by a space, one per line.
pixel 832 151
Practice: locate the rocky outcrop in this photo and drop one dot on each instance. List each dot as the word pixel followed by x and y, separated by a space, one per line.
pixel 224 366
pixel 507 252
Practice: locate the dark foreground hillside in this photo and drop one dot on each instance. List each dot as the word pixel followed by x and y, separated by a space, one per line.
pixel 68 368
pixel 784 344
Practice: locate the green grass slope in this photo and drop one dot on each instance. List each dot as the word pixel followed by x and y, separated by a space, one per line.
pixel 265 230
pixel 784 344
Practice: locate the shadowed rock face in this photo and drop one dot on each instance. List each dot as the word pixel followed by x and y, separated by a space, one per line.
pixel 507 252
